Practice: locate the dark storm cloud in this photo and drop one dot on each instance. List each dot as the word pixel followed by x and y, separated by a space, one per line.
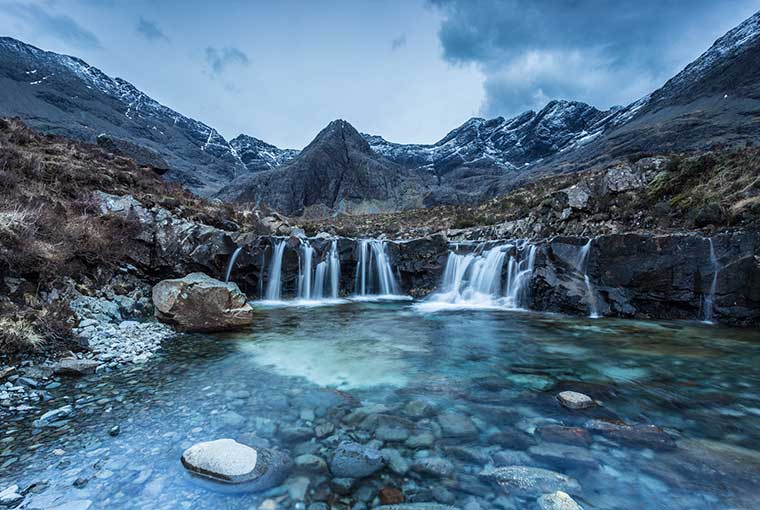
pixel 597 51
pixel 219 59
pixel 59 25
pixel 150 30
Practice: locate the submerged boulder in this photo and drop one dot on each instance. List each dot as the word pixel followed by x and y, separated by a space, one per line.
pixel 227 461
pixel 198 302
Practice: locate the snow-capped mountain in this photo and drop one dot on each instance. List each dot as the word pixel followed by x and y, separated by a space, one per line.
pixel 65 95
pixel 257 155
pixel 509 144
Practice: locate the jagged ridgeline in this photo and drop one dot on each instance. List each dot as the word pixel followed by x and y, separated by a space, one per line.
pixel 712 103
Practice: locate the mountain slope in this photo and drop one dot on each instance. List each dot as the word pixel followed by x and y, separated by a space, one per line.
pixel 336 172
pixel 64 95
pixel 713 102
pixel 257 155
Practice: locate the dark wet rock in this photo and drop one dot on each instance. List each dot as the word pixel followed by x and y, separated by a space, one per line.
pixel 73 367
pixel 557 501
pixel 310 464
pixel 530 481
pixel 577 436
pixel 388 427
pixel 198 302
pixel 50 418
pixel 434 466
pixel 342 486
pixel 114 431
pixel 80 482
pixel 396 462
pixel 456 425
pixel 472 455
pixel 295 434
pixel 511 458
pixel 563 456
pixel 226 460
pixel 353 460
pixel 390 496
pixel 575 400
pixel 642 436
pixel 512 439
pixel 419 409
pixel 421 440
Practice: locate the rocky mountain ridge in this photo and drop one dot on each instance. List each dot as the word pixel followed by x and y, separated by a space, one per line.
pixel 64 95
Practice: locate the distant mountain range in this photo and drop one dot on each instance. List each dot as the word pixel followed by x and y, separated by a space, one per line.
pixel 715 101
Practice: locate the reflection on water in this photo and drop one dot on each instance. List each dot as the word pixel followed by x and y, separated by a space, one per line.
pixel 277 385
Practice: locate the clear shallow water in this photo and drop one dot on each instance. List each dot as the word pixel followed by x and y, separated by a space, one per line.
pixel 501 369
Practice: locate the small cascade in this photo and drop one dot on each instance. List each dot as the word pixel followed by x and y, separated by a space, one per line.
pixel 306 255
pixel 333 261
pixel 274 285
pixel 518 277
pixel 708 301
pixel 581 265
pixel 475 279
pixel 231 263
pixel 374 275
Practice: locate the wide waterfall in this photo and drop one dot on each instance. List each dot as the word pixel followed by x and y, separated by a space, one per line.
pixel 708 301
pixel 374 275
pixel 581 265
pixel 475 280
pixel 274 285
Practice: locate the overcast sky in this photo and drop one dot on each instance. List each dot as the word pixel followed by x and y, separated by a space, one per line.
pixel 409 70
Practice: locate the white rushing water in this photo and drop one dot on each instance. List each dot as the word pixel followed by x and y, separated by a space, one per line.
pixel 231 263
pixel 274 285
pixel 581 265
pixel 708 301
pixel 317 283
pixel 374 274
pixel 475 280
pixel 305 275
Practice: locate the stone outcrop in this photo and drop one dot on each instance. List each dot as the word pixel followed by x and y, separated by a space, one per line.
pixel 198 302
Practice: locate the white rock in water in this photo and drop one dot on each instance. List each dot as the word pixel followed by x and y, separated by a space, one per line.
pixel 575 400
pixel 224 459
pixel 558 501
pixel 10 496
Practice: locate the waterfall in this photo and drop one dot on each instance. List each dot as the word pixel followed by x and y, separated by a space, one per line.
pixel 274 285
pixel 518 277
pixel 304 270
pixel 374 275
pixel 581 265
pixel 334 269
pixel 475 279
pixel 231 263
pixel 708 302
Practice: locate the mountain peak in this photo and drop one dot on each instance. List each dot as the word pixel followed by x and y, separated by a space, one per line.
pixel 339 133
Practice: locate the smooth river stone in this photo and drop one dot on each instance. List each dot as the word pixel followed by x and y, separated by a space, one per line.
pixel 530 481
pixel 575 400
pixel 558 501
pixel 227 461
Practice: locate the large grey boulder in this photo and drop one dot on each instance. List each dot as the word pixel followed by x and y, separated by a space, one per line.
pixel 198 302
pixel 227 461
